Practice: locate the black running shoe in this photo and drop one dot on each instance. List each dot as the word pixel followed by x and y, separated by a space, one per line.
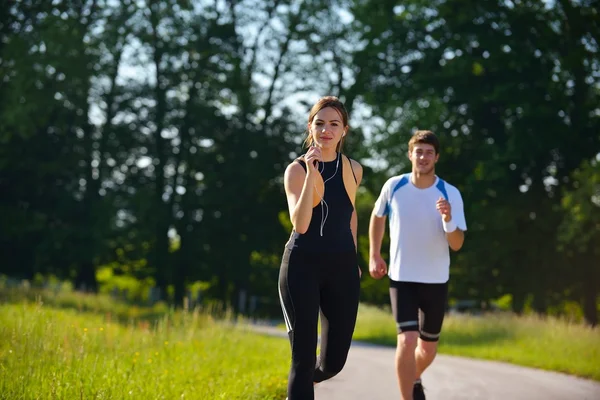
pixel 418 392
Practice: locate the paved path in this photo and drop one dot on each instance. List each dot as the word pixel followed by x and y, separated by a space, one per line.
pixel 369 375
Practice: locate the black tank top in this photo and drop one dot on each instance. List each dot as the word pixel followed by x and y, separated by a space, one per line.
pixel 337 235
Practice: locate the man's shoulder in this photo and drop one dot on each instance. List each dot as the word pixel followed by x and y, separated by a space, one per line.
pixel 397 179
pixel 451 189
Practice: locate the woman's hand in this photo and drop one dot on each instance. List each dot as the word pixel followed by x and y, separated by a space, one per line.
pixel 313 155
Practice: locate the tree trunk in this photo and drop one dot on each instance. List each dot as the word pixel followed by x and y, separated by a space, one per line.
pixel 180 270
pixel 591 290
pixel 590 302
pixel 163 213
pixel 85 280
pixel 518 301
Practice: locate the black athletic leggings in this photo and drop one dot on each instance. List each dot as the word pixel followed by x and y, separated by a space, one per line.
pixel 309 282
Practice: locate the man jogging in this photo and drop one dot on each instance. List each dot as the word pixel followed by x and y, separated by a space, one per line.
pixel 426 217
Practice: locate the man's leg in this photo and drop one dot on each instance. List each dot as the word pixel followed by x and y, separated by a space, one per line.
pixel 432 302
pixel 406 367
pixel 424 355
pixel 404 301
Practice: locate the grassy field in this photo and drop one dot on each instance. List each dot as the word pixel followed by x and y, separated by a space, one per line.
pixel 532 341
pixel 51 353
pixel 71 346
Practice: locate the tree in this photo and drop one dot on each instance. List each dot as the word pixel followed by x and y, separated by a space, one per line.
pixel 489 79
pixel 579 234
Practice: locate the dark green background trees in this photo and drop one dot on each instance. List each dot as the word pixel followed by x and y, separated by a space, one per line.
pixel 152 138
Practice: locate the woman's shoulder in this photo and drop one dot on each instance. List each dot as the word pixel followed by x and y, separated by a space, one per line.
pixel 355 164
pixel 297 162
pixel 357 169
pixel 352 161
pixel 297 166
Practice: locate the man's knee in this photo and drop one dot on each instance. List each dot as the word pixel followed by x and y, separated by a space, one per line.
pixel 428 349
pixel 408 340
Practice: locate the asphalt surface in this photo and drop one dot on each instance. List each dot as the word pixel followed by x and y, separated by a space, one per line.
pixel 369 374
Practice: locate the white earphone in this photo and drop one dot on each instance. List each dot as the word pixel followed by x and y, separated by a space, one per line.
pixel 324 205
pixel 325 210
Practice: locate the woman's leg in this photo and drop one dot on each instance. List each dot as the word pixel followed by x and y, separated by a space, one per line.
pixel 339 305
pixel 299 295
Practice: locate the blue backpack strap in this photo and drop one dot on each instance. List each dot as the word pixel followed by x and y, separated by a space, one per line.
pixel 403 181
pixel 441 185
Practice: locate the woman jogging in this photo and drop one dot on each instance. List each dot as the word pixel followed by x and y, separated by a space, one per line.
pixel 319 268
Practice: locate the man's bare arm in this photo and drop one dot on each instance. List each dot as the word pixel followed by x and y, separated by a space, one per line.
pixel 455 239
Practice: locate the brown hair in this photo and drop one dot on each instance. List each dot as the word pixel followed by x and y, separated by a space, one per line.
pixel 324 102
pixel 424 137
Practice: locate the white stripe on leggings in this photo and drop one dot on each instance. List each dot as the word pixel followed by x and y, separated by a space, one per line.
pixel 285 314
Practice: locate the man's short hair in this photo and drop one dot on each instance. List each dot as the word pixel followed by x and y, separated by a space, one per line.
pixel 425 137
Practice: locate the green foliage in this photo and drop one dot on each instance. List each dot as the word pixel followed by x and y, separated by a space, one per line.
pixel 152 137
pixel 137 290
pixel 579 235
pixel 580 230
pixel 516 113
pixel 102 304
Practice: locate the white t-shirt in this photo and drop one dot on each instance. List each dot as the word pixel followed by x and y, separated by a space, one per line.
pixel 419 250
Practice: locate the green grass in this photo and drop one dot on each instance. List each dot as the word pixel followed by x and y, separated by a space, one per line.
pixel 50 353
pixel 67 345
pixel 533 341
pixel 93 303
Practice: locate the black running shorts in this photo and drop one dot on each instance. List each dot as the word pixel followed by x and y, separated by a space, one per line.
pixel 419 307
